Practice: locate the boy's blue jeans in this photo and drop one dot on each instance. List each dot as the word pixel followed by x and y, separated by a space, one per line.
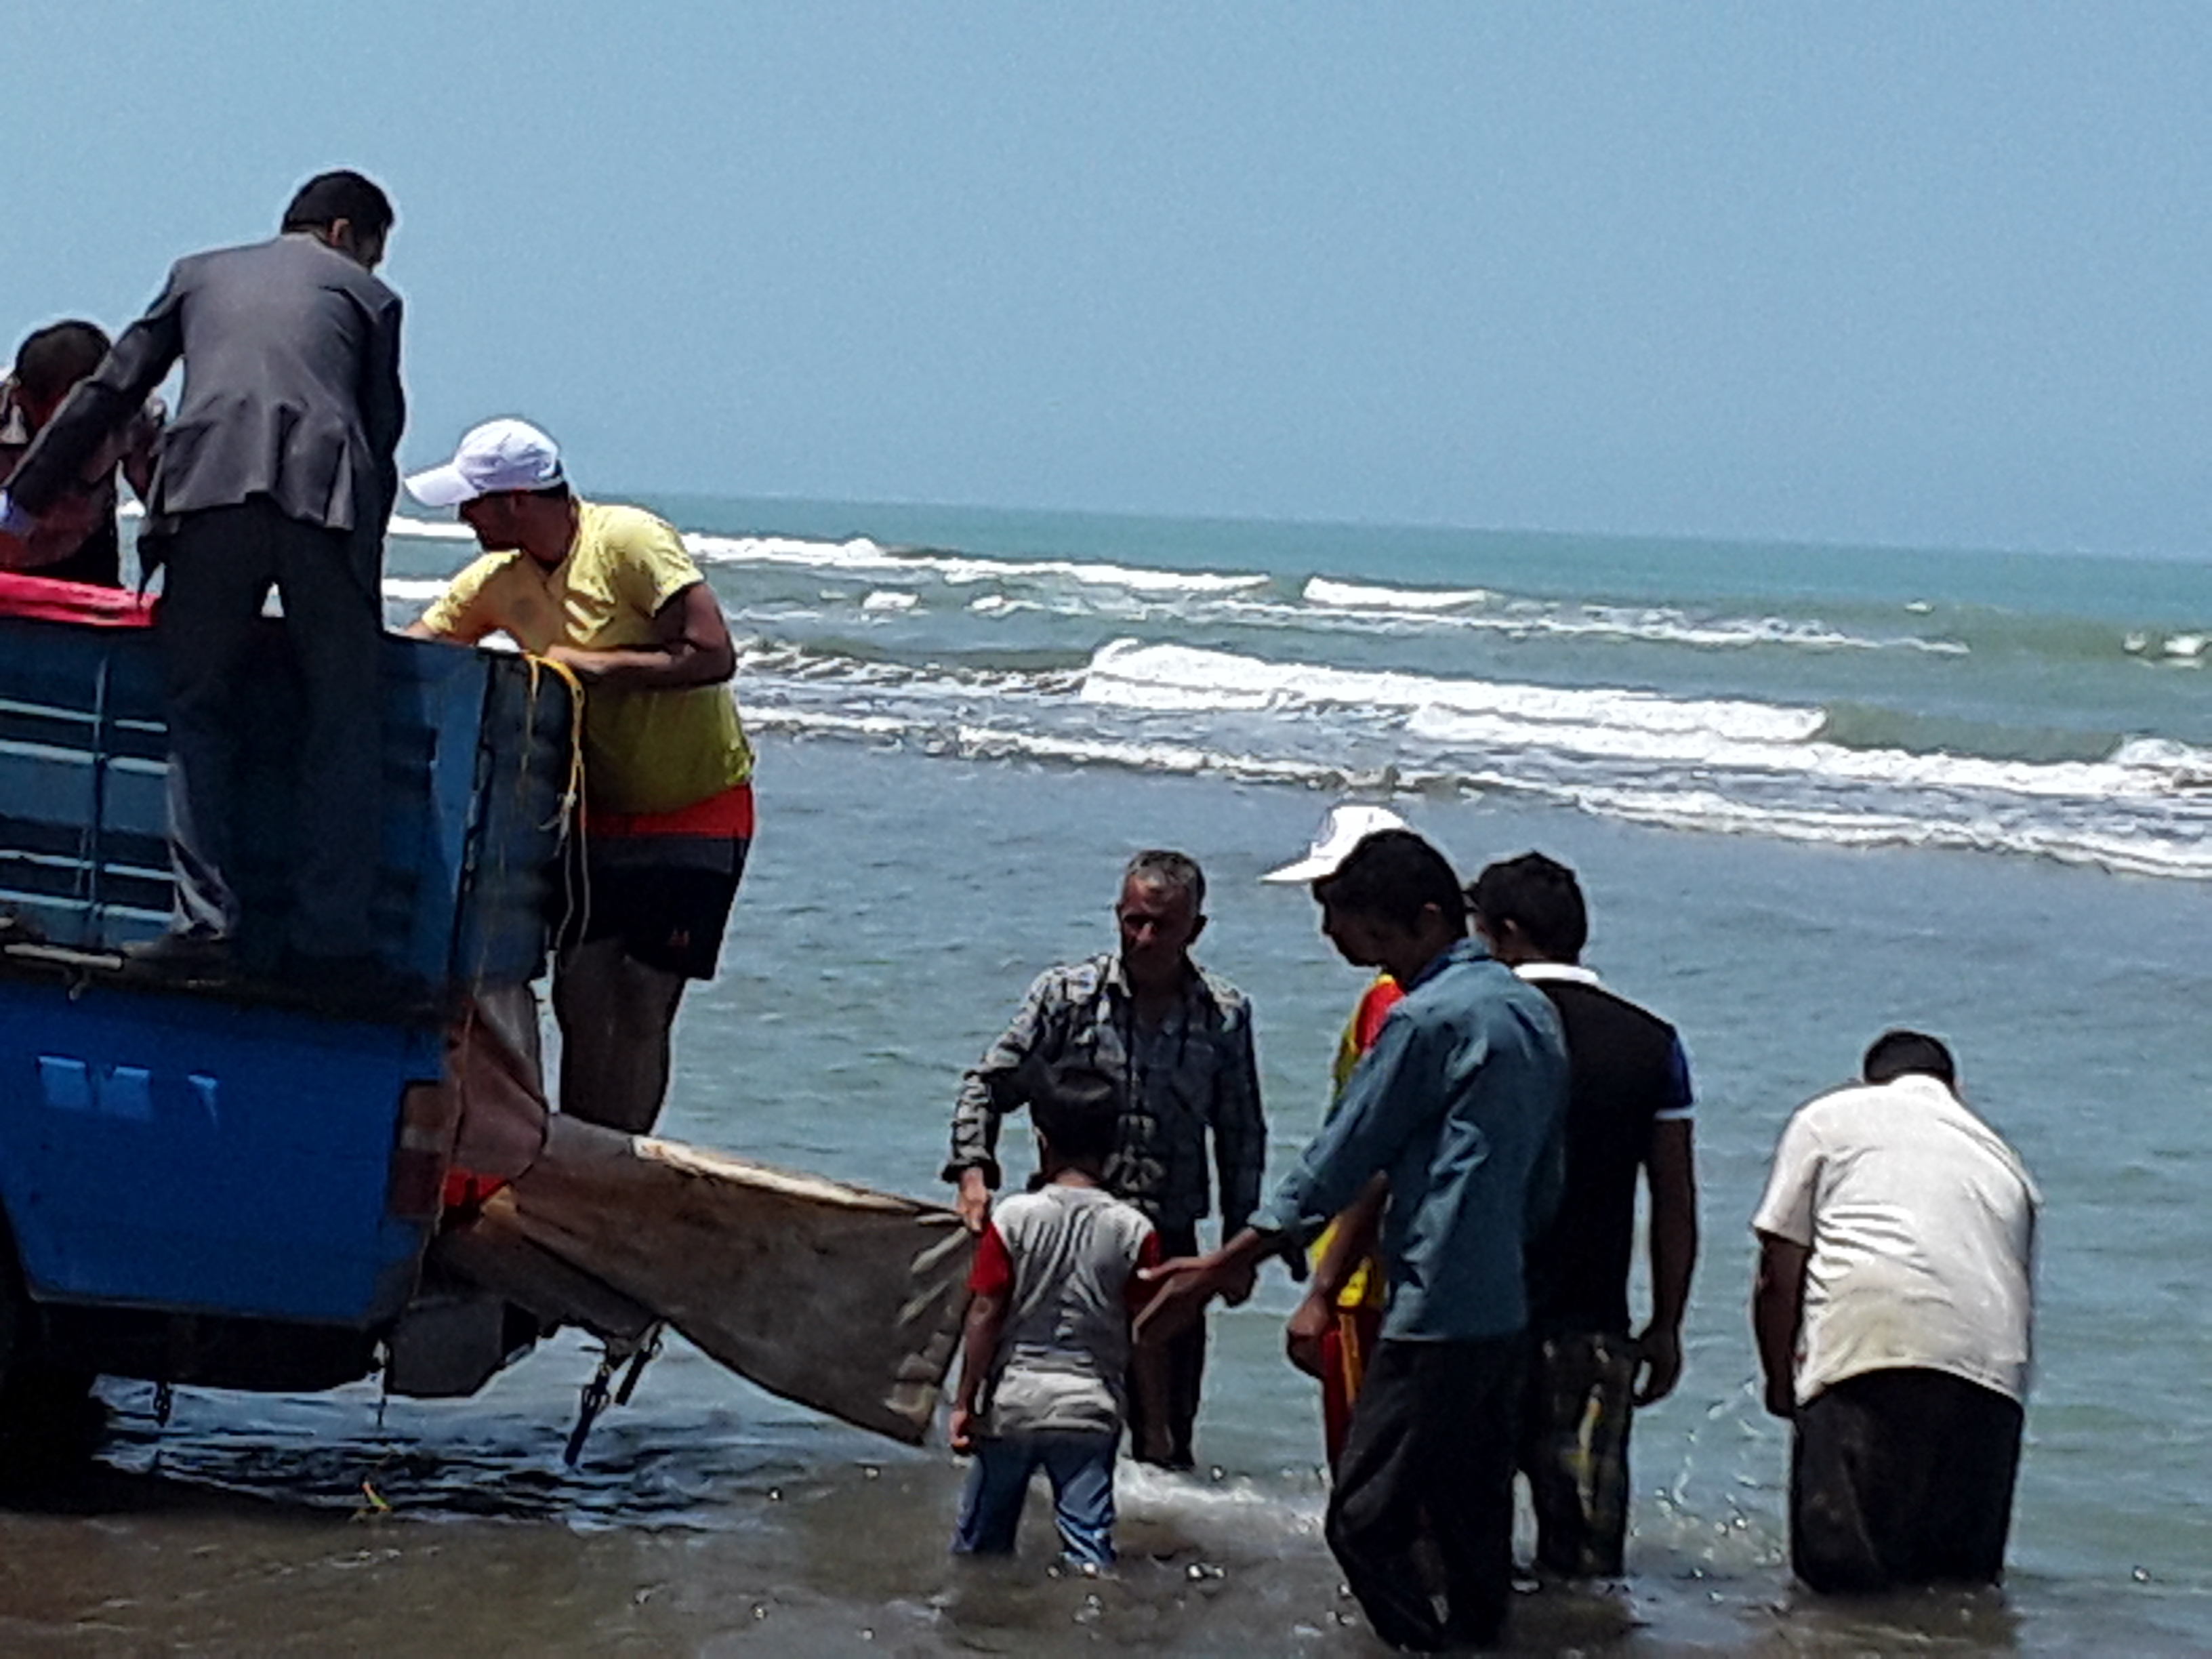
pixel 1081 1469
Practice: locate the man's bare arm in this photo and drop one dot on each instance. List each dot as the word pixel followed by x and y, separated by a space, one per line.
pixel 1351 1242
pixel 986 1323
pixel 692 647
pixel 1670 1174
pixel 1354 1239
pixel 1188 1283
pixel 1777 1307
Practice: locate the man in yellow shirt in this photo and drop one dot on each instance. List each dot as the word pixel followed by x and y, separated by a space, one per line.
pixel 610 593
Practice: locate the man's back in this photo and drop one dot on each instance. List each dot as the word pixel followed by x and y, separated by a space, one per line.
pixel 1472 1063
pixel 283 342
pixel 1626 1072
pixel 291 392
pixel 1920 1220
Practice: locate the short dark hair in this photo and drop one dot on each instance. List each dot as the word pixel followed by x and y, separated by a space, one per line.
pixel 1902 1054
pixel 329 197
pixel 1540 896
pixel 1078 1112
pixel 1394 875
pixel 54 358
pixel 1156 866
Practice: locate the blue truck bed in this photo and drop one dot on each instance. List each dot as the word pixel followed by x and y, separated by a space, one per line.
pixel 235 1158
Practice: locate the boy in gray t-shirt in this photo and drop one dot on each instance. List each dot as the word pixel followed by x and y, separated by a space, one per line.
pixel 1048 1346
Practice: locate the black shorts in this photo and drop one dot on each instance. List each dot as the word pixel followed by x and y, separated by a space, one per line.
pixel 666 897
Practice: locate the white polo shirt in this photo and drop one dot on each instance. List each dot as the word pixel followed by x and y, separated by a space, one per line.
pixel 1921 1226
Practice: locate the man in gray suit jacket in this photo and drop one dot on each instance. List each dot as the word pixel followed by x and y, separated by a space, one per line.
pixel 279 468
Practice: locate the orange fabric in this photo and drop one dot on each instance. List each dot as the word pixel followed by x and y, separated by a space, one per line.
pixel 1382 997
pixel 1345 1348
pixel 730 813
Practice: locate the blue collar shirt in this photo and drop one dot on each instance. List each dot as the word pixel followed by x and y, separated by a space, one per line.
pixel 1461 1103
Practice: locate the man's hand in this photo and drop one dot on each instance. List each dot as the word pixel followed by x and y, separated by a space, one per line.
pixel 1659 1364
pixel 1189 1282
pixel 1237 1284
pixel 584 665
pixel 974 1203
pixel 1781 1398
pixel 1302 1334
pixel 960 1430
pixel 1185 1285
pixel 1777 1311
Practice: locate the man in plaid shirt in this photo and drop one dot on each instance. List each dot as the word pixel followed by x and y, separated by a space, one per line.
pixel 1177 1043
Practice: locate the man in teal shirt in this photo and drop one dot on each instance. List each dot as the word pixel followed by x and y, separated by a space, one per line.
pixel 1459 1107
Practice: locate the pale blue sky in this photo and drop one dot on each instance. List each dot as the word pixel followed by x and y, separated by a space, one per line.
pixel 1930 274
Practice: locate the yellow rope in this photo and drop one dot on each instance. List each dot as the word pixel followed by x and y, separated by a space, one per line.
pixel 573 791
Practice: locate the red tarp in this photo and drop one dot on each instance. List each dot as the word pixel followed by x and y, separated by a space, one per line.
pixel 44 599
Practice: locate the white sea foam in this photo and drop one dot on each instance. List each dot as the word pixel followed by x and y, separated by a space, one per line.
pixel 433 530
pixel 1834 761
pixel 2182 766
pixel 2187 649
pixel 1132 674
pixel 863 556
pixel 2146 852
pixel 880 600
pixel 1320 590
pixel 1610 724
pixel 1955 823
pixel 1479 609
pixel 1000 743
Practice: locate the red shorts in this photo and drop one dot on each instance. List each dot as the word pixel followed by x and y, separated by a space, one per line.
pixel 1346 1347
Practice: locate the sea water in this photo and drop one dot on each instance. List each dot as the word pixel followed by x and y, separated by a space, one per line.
pixel 1812 793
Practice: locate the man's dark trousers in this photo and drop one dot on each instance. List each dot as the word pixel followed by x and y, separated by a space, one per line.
pixel 1431 1443
pixel 1184 1360
pixel 220 565
pixel 1900 1477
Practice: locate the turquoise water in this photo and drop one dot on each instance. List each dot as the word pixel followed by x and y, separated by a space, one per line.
pixel 2037 706
pixel 1812 793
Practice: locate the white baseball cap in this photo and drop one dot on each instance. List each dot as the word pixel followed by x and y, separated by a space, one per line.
pixel 503 455
pixel 1344 829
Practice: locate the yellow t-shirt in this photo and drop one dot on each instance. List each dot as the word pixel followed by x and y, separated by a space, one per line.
pixel 645 750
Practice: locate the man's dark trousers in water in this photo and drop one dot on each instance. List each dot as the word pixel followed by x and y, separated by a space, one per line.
pixel 1431 1448
pixel 1902 1476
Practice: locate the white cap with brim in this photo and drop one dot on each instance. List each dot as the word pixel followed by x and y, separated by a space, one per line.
pixel 1344 829
pixel 499 455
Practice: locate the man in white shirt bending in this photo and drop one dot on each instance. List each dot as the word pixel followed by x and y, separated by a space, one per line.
pixel 1892 1306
